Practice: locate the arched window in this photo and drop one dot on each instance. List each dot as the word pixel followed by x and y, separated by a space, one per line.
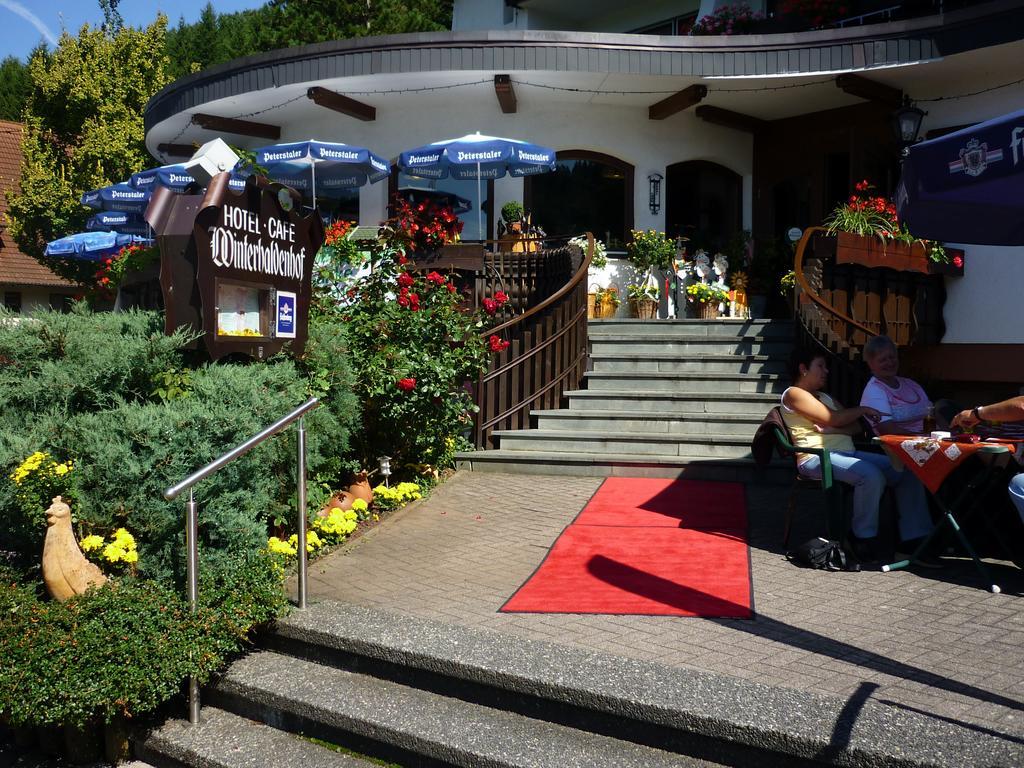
pixel 703 202
pixel 587 191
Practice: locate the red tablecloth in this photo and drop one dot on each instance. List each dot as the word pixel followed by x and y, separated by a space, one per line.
pixel 930 460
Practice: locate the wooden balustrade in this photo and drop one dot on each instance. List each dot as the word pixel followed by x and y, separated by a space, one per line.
pixel 547 352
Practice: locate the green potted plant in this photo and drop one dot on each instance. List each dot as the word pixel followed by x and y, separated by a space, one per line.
pixel 647 251
pixel 643 300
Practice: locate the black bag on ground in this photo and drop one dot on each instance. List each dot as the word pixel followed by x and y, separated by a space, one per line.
pixel 821 553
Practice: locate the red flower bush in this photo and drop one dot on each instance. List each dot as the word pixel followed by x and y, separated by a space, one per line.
pixel 735 19
pixel 414 343
pixel 816 13
pixel 496 344
pixel 422 227
pixel 866 214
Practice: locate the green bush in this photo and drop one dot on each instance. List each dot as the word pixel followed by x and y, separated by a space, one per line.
pixel 128 442
pixel 125 648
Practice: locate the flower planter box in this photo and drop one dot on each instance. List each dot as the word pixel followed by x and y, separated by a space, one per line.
pixel 874 252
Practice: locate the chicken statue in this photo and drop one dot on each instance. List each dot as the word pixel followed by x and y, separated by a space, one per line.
pixel 65 570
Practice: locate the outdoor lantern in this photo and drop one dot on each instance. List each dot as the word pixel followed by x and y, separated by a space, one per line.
pixel 385 468
pixel 906 122
pixel 654 186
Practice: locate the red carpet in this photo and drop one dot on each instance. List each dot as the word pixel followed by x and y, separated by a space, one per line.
pixel 651 547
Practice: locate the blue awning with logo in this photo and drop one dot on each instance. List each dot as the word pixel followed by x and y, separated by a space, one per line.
pixel 967 186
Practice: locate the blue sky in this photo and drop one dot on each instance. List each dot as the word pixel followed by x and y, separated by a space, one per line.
pixel 23 23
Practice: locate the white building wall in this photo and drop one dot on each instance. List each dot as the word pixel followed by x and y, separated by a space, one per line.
pixel 32 298
pixel 623 132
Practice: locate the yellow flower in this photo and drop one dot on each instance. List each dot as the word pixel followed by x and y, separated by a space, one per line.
pixel 90 543
pixel 359 505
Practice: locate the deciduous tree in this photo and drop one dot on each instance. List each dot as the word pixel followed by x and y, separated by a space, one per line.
pixel 84 127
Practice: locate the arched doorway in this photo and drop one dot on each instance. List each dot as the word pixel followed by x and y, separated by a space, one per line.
pixel 703 202
pixel 587 192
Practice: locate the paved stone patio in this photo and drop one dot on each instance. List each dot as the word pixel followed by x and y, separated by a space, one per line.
pixel 934 642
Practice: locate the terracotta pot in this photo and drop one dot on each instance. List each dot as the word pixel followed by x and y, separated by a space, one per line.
pixel 342 501
pixel 360 487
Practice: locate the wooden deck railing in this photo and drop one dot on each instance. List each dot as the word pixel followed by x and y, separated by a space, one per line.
pixel 839 307
pixel 547 352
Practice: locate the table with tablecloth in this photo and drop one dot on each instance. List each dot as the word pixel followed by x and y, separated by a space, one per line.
pixel 932 461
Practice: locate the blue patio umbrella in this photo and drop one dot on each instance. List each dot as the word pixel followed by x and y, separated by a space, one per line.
pixel 117 197
pixel 476 156
pixel 176 178
pixel 171 176
pixel 339 166
pixel 91 246
pixel 967 186
pixel 117 221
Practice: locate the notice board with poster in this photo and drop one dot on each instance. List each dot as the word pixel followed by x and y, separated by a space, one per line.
pixel 237 266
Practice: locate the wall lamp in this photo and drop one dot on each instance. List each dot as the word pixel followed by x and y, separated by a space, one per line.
pixel 654 191
pixel 906 123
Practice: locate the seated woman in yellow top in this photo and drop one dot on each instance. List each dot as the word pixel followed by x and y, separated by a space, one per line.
pixel 815 420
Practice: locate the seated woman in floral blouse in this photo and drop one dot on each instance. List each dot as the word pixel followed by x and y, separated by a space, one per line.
pixel 815 420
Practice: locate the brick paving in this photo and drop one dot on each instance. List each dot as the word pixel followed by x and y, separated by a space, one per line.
pixel 931 642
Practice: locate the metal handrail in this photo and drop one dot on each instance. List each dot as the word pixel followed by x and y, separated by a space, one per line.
pixel 192 520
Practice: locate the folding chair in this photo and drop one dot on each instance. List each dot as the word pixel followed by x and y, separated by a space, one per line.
pixel 832 490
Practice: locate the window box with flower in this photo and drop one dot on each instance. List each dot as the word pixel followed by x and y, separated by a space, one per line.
pixel 867 231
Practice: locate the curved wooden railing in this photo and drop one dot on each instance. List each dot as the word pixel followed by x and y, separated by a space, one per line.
pixel 839 307
pixel 546 356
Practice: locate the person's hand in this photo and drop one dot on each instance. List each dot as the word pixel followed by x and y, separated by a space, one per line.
pixel 964 420
pixel 871 413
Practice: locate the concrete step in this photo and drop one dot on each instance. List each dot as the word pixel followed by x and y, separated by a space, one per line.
pixel 652 423
pixel 783 329
pixel 225 740
pixel 555 462
pixel 416 726
pixel 672 403
pixel 690 345
pixel 685 383
pixel 631 361
pixel 707 446
pixel 490 699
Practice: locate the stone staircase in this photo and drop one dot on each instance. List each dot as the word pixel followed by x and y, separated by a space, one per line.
pixel 414 693
pixel 664 398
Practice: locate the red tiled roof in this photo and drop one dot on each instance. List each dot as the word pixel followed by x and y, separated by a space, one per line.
pixel 16 268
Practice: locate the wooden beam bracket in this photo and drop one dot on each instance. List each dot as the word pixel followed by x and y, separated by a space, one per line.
pixel 346 105
pixel 729 119
pixel 506 93
pixel 240 127
pixel 871 90
pixel 176 150
pixel 677 102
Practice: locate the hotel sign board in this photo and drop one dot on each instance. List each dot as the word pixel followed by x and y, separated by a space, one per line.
pixel 237 266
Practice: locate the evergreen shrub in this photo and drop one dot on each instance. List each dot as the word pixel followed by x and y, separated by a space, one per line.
pixel 124 649
pixel 85 387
